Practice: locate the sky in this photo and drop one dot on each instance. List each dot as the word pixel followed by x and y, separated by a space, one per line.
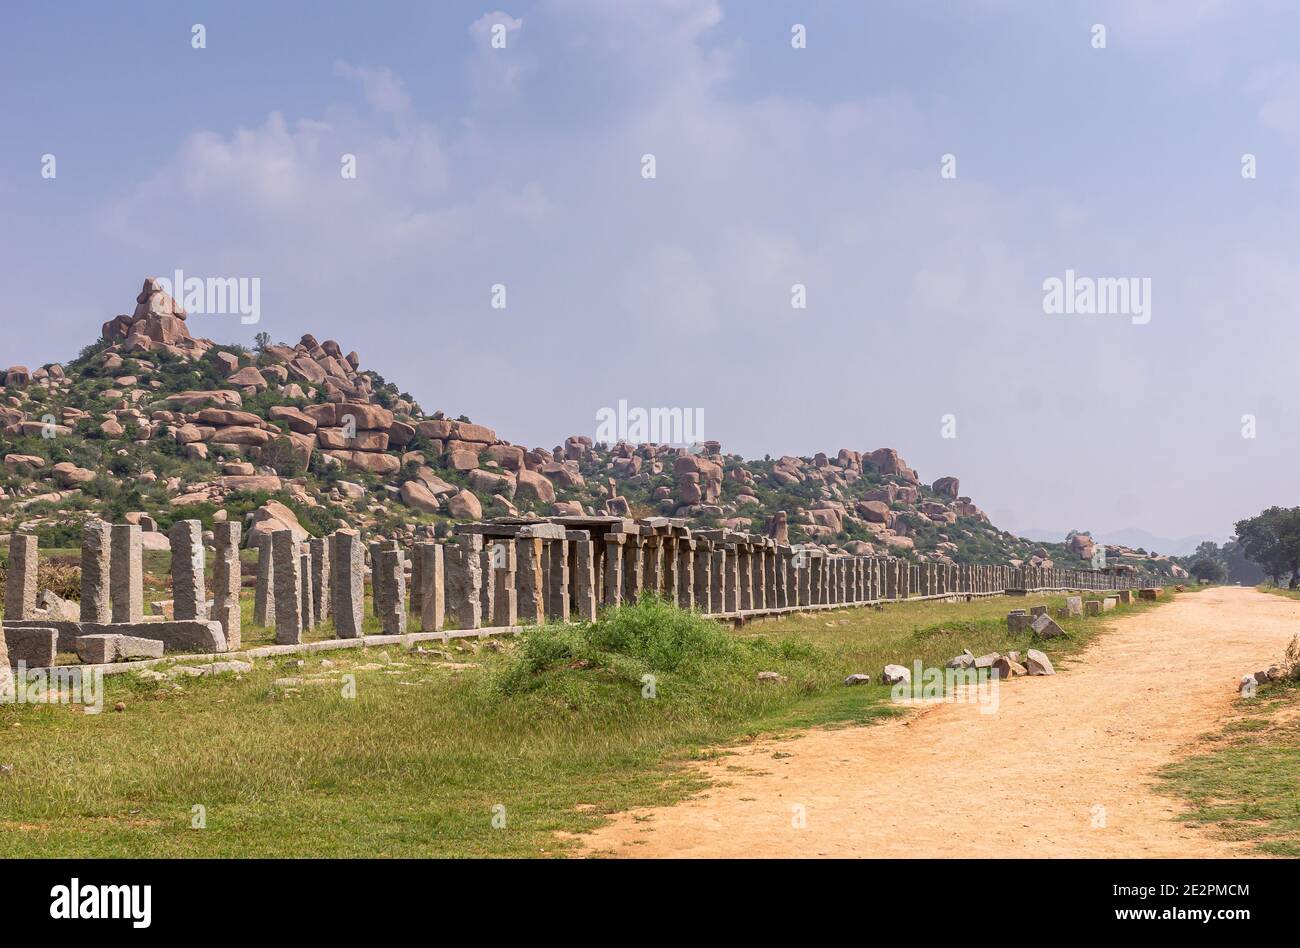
pixel 522 165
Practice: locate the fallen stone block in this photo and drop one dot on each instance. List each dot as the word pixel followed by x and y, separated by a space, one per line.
pixel 113 647
pixel 1108 604
pixel 1153 592
pixel 1125 596
pixel 1018 621
pixel 1074 605
pixel 210 668
pixel 1006 668
pixel 857 679
pixel 775 677
pixel 986 661
pixel 1092 607
pixel 180 635
pixel 1045 627
pixel 34 647
pixel 965 660
pixel 1038 610
pixel 896 674
pixel 1036 663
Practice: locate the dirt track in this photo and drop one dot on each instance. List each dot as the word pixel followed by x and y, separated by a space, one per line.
pixel 1024 781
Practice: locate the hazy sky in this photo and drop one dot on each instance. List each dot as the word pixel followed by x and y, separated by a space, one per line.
pixel 774 166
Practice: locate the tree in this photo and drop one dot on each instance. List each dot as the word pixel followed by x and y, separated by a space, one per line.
pixel 1271 539
pixel 262 341
pixel 1208 569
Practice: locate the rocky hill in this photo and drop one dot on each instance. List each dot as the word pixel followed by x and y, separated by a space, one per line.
pixel 151 424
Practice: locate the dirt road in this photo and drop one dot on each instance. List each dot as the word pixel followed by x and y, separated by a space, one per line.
pixel 1060 755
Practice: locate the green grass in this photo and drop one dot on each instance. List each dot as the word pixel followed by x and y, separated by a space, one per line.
pixel 1247 786
pixel 555 728
pixel 1279 591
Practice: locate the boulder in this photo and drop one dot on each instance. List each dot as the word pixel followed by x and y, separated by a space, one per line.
pixel 896 674
pixel 270 517
pixel 947 487
pixel 1036 663
pixel 69 475
pixel 534 486
pixel 418 497
pixel 857 679
pixel 465 506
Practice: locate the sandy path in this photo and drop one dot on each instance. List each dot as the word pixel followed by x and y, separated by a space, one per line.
pixel 1024 781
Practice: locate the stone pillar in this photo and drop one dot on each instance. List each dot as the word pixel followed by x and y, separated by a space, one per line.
pixel 392 610
pixel 583 552
pixel 781 564
pixel 744 577
pixel 532 584
pixel 465 581
pixel 718 584
pixel 891 579
pixel 804 577
pixel 614 543
pixel 226 575
pixel 20 580
pixel 433 603
pixel 126 573
pixel 769 576
pixel 503 576
pixel 633 568
pixel 417 580
pixel 189 596
pixel 287 568
pixel 670 590
pixel 654 564
pixel 347 584
pixel 308 594
pixel 487 605
pixel 684 573
pixel 557 591
pixel 704 575
pixel 264 594
pixel 320 577
pixel 96 545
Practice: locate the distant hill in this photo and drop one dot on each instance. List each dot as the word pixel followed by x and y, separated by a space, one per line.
pixel 152 424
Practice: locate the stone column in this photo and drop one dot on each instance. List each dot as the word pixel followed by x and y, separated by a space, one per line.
pixel 96 545
pixel 654 564
pixel 781 561
pixel 684 573
pixel 704 575
pixel 417 580
pixel 308 594
pixel 633 568
pixel 264 595
pixel 532 584
pixel 488 592
pixel 347 584
pixel 557 590
pixel 744 577
pixel 504 577
pixel 126 573
pixel 718 585
pixel 189 596
pixel 891 580
pixel 614 543
pixel 226 575
pixel 583 551
pixel 433 603
pixel 392 609
pixel 670 584
pixel 465 581
pixel 20 580
pixel 288 588
pixel 320 577
pixel 769 576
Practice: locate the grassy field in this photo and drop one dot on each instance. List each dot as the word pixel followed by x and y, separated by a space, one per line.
pixel 457 750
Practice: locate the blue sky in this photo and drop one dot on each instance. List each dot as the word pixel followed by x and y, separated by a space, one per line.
pixel 774 166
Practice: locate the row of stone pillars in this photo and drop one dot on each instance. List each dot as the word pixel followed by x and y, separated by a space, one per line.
pixel 502 574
